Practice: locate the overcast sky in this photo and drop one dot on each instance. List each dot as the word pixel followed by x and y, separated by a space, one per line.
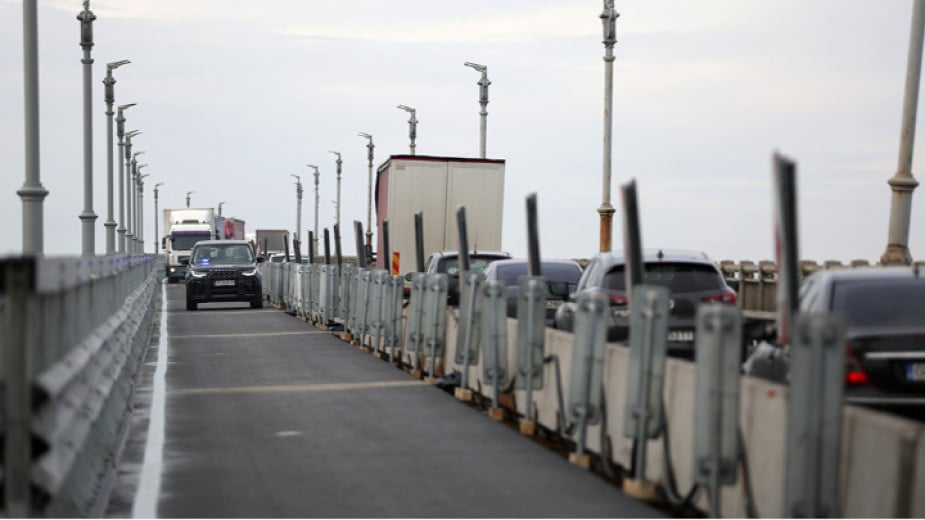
pixel 234 97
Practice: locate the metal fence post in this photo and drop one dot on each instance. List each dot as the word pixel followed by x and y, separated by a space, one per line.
pixel 494 343
pixel 416 322
pixel 531 343
pixel 467 335
pixel 584 401
pixel 435 287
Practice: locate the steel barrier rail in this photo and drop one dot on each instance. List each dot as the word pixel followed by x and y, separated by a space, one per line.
pixel 74 334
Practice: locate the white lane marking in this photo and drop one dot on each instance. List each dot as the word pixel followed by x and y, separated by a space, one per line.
pixel 288 433
pixel 149 488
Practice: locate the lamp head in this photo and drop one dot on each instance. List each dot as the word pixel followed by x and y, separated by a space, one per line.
pixel 116 64
pixel 406 108
pixel 364 134
pixel 476 66
pixel 126 107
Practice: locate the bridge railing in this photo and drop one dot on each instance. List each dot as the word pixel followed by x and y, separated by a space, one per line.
pixel 73 331
pixel 881 464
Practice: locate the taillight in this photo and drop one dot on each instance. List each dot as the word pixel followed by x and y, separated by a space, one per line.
pixel 617 300
pixel 723 297
pixel 854 372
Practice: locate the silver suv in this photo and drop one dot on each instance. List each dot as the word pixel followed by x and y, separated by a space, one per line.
pixel 692 278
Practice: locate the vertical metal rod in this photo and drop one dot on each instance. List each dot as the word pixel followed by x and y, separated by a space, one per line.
pixel 609 19
pixel 87 217
pixel 642 407
pixel 463 240
pixel 385 254
pixel 120 133
pixel 32 193
pixel 635 269
pixel 419 240
pixel 297 249
pixel 528 401
pixel 483 103
pixel 496 359
pixel 903 183
pixel 327 247
pixel 369 193
pixel 433 339
pixel 786 243
pixel 337 202
pixel 311 247
pixel 534 264
pixel 467 331
pixel 317 176
pixel 361 252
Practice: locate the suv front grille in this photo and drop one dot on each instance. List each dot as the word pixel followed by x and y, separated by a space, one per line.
pixel 223 274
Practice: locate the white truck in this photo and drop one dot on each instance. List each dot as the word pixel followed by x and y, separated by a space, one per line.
pixel 183 228
pixel 436 186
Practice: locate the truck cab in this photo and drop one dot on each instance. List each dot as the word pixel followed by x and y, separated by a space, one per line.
pixel 177 246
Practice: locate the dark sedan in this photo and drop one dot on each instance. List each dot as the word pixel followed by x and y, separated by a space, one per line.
pixel 223 271
pixel 884 311
pixel 561 280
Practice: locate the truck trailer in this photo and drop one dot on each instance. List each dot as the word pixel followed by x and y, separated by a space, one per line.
pixel 436 186
pixel 183 228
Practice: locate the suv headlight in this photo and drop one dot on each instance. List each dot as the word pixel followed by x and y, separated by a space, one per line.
pixel 249 272
pixel 198 274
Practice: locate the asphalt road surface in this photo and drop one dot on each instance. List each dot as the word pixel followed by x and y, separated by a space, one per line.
pixel 262 415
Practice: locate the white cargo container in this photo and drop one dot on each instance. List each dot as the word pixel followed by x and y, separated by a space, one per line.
pixel 436 186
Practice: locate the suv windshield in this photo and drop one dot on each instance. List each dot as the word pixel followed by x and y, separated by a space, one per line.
pixel 510 274
pixel 881 303
pixel 226 254
pixel 677 277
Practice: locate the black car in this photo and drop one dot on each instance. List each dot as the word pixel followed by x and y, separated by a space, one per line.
pixel 223 271
pixel 884 312
pixel 448 262
pixel 691 277
pixel 561 280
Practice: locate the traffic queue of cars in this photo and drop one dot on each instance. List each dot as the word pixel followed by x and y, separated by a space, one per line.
pixel 883 307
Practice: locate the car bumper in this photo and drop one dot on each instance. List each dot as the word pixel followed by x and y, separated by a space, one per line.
pixel 204 290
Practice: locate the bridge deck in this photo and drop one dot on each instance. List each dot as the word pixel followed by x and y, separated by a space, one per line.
pixel 266 416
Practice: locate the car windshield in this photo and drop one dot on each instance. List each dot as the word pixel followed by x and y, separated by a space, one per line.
pixel 509 274
pixel 894 303
pixel 183 241
pixel 477 264
pixel 222 255
pixel 677 277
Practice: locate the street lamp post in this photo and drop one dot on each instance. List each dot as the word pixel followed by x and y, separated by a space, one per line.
pixel 120 133
pixel 138 217
pixel 298 206
pixel 483 101
pixel 87 217
pixel 32 193
pixel 337 204
pixel 369 193
pixel 609 19
pixel 141 221
pixel 157 244
pixel 109 88
pixel 132 196
pixel 412 124
pixel 317 175
pixel 903 183
pixel 220 204
pixel 187 197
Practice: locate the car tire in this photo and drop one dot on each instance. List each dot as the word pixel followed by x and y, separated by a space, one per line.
pixel 257 303
pixel 191 305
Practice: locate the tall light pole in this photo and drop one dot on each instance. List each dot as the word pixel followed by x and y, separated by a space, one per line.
pixel 120 132
pixel 298 206
pixel 132 174
pixel 317 175
pixel 337 204
pixel 138 217
pixel 157 244
pixel 369 194
pixel 412 124
pixel 187 197
pixel 220 204
pixel 606 211
pixel 109 88
pixel 141 221
pixel 903 183
pixel 32 193
pixel 87 217
pixel 483 102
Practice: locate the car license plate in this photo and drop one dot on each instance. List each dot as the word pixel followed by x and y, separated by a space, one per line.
pixel 915 372
pixel 224 283
pixel 553 304
pixel 680 335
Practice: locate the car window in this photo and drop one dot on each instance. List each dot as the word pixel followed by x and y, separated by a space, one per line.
pixel 878 303
pixel 204 255
pixel 591 274
pixel 678 277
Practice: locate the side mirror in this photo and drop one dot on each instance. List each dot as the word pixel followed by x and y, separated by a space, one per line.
pixel 408 276
pixel 558 289
pixel 163 242
pixel 261 259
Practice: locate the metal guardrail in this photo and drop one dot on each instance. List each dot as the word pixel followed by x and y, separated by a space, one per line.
pixel 876 479
pixel 74 331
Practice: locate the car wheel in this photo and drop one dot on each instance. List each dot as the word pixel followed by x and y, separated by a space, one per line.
pixel 257 303
pixel 191 305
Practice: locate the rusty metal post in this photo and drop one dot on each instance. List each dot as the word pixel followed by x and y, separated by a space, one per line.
pixel 903 183
pixel 606 211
